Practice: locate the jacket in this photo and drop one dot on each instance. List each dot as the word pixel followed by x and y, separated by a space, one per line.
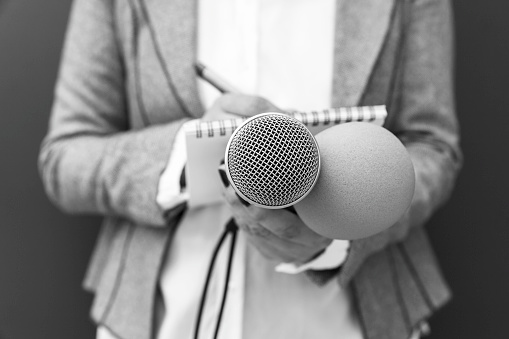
pixel 126 85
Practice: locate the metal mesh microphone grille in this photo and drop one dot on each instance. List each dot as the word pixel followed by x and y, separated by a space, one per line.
pixel 272 160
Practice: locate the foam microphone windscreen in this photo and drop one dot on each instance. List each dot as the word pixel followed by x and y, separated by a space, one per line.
pixel 366 182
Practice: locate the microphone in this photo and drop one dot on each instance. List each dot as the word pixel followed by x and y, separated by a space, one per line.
pixel 354 180
pixel 272 160
pixel 366 184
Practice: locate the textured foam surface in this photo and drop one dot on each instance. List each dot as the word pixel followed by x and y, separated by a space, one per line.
pixel 366 182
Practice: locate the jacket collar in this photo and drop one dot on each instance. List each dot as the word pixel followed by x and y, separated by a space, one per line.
pixel 357 46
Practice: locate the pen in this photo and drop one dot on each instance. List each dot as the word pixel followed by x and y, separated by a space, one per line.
pixel 214 79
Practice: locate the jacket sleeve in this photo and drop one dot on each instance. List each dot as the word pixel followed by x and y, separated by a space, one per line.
pixel 424 119
pixel 89 161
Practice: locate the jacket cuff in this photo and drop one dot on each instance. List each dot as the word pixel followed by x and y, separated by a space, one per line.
pixel 170 193
pixel 333 257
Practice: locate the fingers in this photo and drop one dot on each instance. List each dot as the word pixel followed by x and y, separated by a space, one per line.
pixel 276 249
pixel 246 105
pixel 288 226
pixel 279 223
pixel 277 234
pixel 217 113
pixel 232 105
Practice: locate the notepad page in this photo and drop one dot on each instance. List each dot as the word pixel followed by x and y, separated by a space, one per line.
pixel 206 143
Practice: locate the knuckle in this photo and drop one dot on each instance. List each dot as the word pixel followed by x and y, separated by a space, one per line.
pixel 258 231
pixel 258 105
pixel 231 196
pixel 242 224
pixel 221 102
pixel 232 102
pixel 226 102
pixel 262 105
pixel 225 99
pixel 258 214
pixel 289 232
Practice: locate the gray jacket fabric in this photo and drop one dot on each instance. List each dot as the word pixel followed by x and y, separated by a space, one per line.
pixel 126 85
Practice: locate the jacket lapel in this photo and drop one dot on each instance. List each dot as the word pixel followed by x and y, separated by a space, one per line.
pixel 361 28
pixel 357 46
pixel 173 25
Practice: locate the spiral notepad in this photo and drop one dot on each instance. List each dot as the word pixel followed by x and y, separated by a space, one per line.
pixel 206 143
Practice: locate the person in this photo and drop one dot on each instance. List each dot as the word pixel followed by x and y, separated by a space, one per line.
pixel 114 147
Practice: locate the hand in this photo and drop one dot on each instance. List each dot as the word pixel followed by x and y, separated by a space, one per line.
pixel 279 235
pixel 233 105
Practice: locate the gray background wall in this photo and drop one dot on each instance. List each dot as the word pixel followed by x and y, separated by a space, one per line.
pixel 43 253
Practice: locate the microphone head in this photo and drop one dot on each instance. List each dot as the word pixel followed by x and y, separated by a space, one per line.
pixel 272 160
pixel 366 183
